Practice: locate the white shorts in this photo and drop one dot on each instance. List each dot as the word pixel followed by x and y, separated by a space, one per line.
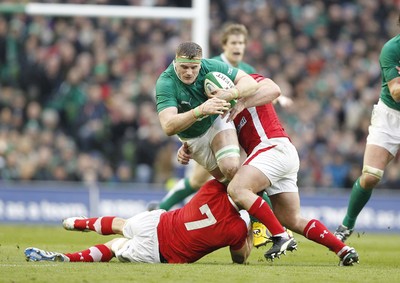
pixel 384 130
pixel 280 164
pixel 141 243
pixel 200 147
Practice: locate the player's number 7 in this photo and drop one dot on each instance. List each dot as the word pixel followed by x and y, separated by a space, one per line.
pixel 210 220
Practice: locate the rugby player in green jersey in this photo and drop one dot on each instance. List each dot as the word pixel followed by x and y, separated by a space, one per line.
pixel 184 109
pixel 233 43
pixel 383 139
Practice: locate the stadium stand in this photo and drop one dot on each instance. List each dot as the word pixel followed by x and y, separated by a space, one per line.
pixel 77 94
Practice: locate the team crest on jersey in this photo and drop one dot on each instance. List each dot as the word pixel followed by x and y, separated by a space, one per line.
pixel 242 122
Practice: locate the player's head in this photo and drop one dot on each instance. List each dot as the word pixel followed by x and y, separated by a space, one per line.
pixel 233 41
pixel 188 61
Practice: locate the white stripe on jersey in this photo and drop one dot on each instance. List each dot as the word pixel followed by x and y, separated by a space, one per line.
pixel 257 124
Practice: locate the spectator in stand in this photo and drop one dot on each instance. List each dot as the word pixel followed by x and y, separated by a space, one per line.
pixel 312 51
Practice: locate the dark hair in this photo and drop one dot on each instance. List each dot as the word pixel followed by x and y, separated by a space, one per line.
pixel 189 50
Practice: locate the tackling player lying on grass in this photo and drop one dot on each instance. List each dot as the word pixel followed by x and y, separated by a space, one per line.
pixel 272 165
pixel 180 236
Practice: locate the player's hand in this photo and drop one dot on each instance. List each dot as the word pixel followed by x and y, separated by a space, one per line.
pixel 398 69
pixel 285 101
pixel 183 154
pixel 220 93
pixel 235 110
pixel 214 106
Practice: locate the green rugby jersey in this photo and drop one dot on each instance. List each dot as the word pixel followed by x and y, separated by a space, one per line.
pixel 172 92
pixel 388 60
pixel 242 65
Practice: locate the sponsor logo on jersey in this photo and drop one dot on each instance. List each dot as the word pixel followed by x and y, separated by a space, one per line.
pixel 242 122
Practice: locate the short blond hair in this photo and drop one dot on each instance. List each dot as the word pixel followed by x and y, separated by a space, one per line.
pixel 230 29
pixel 189 50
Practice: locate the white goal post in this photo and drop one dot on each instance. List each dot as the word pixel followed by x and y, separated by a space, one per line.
pixel 198 14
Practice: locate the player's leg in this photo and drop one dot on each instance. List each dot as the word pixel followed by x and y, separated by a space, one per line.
pixel 243 188
pixel 227 152
pixel 97 253
pixel 261 235
pixel 287 208
pixel 140 243
pixel 185 187
pixel 105 225
pixel 376 159
pixel 382 145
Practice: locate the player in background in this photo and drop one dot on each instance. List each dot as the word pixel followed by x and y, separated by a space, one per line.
pixel 184 110
pixel 272 164
pixel 383 139
pixel 180 236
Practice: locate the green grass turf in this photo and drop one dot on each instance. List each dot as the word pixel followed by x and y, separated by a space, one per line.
pixel 379 261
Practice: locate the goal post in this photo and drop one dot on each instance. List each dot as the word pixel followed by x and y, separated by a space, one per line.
pixel 198 14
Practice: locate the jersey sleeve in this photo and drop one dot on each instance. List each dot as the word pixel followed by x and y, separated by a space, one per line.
pixel 164 93
pixel 389 59
pixel 247 68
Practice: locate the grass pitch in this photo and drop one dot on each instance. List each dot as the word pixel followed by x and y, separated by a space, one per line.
pixel 379 261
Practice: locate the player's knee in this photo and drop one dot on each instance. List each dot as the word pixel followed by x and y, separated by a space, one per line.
pixel 368 181
pixel 116 244
pixel 229 170
pixel 228 159
pixel 118 225
pixel 370 177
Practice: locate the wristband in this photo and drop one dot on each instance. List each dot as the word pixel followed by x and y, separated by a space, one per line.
pixel 196 112
pixel 235 93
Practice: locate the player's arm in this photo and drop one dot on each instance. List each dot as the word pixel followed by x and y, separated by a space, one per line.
pixel 245 86
pixel 284 101
pixel 394 87
pixel 173 122
pixel 267 91
pixel 240 256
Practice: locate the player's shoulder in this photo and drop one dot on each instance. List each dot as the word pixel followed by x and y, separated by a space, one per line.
pixel 166 79
pixel 247 67
pixel 218 58
pixel 211 62
pixel 392 45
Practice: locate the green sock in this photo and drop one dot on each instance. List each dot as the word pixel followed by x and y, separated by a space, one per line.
pixel 267 200
pixel 358 199
pixel 179 192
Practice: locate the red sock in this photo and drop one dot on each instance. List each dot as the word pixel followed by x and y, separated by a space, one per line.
pixel 261 210
pixel 101 225
pixel 93 254
pixel 317 232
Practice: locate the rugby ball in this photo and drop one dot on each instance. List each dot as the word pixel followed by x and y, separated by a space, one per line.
pixel 214 80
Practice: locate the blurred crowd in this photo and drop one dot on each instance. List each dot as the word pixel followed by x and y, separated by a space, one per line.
pixel 77 95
